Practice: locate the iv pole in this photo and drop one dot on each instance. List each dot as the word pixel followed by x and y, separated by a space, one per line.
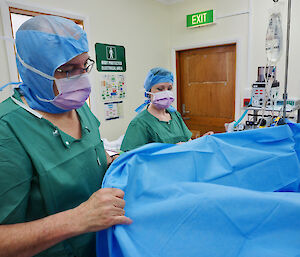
pixel 286 57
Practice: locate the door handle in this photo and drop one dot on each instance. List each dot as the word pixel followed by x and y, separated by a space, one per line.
pixel 186 118
pixel 184 111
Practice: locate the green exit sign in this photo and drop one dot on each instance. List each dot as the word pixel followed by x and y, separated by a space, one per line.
pixel 200 19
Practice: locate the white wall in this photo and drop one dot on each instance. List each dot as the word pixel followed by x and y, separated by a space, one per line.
pixel 258 57
pixel 294 77
pixel 139 25
pixel 4 72
pixel 227 29
pixel 151 32
pixel 248 29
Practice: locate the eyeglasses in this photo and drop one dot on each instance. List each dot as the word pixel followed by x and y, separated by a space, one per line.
pixel 77 72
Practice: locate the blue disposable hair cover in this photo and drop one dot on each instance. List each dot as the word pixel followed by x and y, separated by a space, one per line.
pixel 156 76
pixel 233 194
pixel 46 42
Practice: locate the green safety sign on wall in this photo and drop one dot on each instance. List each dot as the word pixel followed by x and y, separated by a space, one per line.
pixel 200 19
pixel 110 58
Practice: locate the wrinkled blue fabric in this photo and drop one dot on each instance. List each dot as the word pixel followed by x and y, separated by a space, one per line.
pixel 225 195
pixel 45 43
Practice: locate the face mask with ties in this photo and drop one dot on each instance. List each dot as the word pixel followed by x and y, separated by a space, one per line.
pixel 73 92
pixel 163 99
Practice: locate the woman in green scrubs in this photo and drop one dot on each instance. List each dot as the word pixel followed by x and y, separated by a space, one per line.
pixel 52 159
pixel 159 122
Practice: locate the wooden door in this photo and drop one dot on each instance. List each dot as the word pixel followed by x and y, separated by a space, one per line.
pixel 206 87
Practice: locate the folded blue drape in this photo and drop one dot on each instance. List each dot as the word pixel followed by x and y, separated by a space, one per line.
pixel 225 195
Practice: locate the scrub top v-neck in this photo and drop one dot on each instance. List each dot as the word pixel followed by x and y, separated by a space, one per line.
pixel 146 128
pixel 44 171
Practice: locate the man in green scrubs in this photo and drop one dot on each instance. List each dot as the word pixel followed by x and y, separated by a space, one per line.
pixel 52 159
pixel 160 122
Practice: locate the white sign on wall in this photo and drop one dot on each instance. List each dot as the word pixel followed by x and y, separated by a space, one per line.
pixel 112 87
pixel 113 110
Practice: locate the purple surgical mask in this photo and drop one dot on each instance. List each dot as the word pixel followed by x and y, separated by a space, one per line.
pixel 163 99
pixel 73 92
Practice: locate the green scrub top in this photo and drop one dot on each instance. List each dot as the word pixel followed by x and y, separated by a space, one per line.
pixel 146 128
pixel 44 171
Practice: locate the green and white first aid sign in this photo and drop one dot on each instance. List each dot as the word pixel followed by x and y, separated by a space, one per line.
pixel 200 19
pixel 110 58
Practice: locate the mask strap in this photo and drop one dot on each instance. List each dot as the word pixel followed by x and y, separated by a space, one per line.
pixel 12 40
pixel 44 100
pixel 10 83
pixel 147 101
pixel 34 69
pixel 142 106
pixel 171 108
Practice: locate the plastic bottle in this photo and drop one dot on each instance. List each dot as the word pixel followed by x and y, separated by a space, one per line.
pixel 274 38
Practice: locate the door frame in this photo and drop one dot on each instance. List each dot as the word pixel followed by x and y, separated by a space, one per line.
pixel 40 8
pixel 238 71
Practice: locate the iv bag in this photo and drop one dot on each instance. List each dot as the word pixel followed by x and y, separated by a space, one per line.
pixel 274 38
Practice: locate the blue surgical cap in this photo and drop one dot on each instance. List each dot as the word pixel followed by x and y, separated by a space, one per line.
pixel 45 43
pixel 156 76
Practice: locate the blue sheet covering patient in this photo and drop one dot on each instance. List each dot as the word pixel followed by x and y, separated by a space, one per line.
pixel 226 195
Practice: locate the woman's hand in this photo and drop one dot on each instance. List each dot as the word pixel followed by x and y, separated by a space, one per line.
pixel 114 157
pixel 208 133
pixel 103 209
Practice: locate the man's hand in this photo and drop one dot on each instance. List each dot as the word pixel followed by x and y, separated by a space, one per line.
pixel 102 210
